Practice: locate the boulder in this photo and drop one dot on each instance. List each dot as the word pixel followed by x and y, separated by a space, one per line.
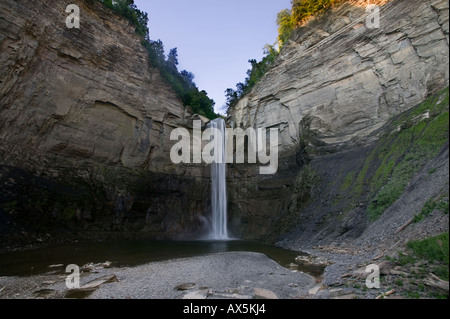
pixel 260 293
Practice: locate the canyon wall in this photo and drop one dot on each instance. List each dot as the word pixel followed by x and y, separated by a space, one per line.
pixel 85 122
pixel 87 93
pixel 86 106
pixel 339 79
pixel 333 88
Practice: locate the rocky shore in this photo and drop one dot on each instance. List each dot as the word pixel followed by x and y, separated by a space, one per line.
pixel 232 275
pixel 242 275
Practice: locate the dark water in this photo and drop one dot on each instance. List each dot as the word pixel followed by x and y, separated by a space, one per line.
pixel 133 253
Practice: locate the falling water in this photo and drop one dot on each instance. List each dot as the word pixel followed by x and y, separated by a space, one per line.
pixel 219 186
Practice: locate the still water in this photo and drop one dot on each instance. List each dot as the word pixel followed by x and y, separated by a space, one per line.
pixel 134 253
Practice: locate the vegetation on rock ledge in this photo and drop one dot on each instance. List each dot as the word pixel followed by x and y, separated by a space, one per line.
pixel 416 137
pixel 182 82
pixel 422 134
pixel 256 72
pixel 287 21
pixel 300 12
pixel 418 263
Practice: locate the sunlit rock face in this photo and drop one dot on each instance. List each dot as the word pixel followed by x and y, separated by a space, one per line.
pixel 334 85
pixel 87 93
pixel 341 77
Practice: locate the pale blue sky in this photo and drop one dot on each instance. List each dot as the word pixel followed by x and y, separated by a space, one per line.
pixel 215 39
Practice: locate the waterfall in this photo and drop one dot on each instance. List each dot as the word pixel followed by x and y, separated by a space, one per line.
pixel 219 229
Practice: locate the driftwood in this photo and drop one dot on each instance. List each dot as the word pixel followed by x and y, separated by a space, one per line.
pixel 91 286
pixel 405 225
pixel 436 282
pixel 378 257
pixel 390 292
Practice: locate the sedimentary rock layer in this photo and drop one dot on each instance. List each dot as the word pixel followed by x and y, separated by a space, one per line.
pixel 82 94
pixel 341 77
pixel 333 87
pixel 86 107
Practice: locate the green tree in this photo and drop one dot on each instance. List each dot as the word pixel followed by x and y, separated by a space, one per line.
pixel 128 9
pixel 188 77
pixel 254 74
pixel 303 9
pixel 156 52
pixel 232 97
pixel 172 60
pixel 286 24
pixel 287 21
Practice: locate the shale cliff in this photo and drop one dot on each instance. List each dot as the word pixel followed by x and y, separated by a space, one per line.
pixel 85 123
pixel 84 109
pixel 340 79
pixel 85 93
pixel 334 93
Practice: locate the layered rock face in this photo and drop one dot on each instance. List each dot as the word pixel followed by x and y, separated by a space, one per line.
pixel 87 103
pixel 85 93
pixel 333 88
pixel 340 78
pixel 85 121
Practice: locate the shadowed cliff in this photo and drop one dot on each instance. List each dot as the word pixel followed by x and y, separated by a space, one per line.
pixel 85 122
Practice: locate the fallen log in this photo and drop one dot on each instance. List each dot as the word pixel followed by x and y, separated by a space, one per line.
pixel 378 257
pixel 436 282
pixel 390 292
pixel 405 225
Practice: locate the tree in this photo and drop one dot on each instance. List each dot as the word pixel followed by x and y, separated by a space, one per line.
pixel 287 21
pixel 156 52
pixel 128 10
pixel 303 9
pixel 181 82
pixel 286 25
pixel 254 74
pixel 231 98
pixel 188 77
pixel 172 60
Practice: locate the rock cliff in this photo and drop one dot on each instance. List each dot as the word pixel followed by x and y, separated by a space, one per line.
pixel 85 108
pixel 332 93
pixel 87 93
pixel 339 79
pixel 85 124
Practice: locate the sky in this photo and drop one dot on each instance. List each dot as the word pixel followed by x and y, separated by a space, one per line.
pixel 215 39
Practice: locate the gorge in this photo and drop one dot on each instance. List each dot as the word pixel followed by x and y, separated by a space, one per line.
pixel 362 116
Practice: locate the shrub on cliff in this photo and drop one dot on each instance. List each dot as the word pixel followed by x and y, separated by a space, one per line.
pixel 181 82
pixel 128 9
pixel 254 74
pixel 287 21
pixel 300 12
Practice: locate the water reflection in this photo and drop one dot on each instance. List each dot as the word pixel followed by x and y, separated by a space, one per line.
pixel 133 253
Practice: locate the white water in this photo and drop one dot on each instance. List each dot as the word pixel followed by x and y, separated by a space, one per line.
pixel 219 229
